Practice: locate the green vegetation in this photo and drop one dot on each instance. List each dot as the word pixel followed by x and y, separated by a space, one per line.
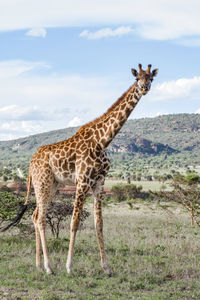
pixel 153 254
pixel 58 211
pixel 186 191
pixel 134 155
pixel 9 206
pixel 152 248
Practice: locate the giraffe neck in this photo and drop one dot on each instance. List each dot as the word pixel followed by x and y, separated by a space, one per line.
pixel 112 121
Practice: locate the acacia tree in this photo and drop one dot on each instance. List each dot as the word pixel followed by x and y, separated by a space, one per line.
pixel 57 212
pixel 186 191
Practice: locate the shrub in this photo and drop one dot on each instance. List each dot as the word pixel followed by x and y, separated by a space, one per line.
pixel 9 206
pixel 122 192
pixel 118 192
pixel 186 191
pixel 58 211
pixel 192 178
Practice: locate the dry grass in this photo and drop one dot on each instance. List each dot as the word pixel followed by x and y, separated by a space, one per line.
pixel 153 253
pixel 146 185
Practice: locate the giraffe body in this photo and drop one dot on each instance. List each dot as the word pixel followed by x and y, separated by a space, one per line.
pixel 80 160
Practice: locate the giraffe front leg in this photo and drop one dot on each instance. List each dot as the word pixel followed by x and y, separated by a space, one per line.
pixel 79 201
pixel 98 220
pixel 38 249
pixel 39 219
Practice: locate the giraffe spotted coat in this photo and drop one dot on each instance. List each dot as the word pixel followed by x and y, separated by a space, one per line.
pixel 81 160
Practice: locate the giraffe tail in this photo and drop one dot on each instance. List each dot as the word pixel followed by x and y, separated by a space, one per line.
pixel 29 181
pixel 22 209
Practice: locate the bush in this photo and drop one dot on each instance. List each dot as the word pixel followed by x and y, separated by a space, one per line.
pixel 118 192
pixel 186 191
pixel 122 192
pixel 58 211
pixel 192 178
pixel 9 206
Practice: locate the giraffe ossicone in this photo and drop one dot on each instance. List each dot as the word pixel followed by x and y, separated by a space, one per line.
pixel 83 161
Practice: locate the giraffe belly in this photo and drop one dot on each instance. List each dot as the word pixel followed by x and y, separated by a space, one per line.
pixel 66 179
pixel 63 170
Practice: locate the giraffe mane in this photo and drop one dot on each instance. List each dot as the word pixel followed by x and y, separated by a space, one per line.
pixel 110 109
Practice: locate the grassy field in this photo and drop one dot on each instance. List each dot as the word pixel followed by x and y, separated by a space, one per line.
pixel 153 253
pixel 146 185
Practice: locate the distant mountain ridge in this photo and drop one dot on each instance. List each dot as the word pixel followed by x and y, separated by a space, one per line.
pixel 167 133
pixel 141 145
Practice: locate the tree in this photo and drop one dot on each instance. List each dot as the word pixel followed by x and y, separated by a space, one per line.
pixel 129 179
pixel 192 178
pixel 58 211
pixel 122 192
pixel 5 178
pixel 118 193
pixel 186 191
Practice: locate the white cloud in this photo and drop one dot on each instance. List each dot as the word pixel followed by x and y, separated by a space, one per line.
pixel 37 32
pixel 16 129
pixel 15 112
pixel 176 89
pixel 31 103
pixel 106 32
pixel 76 121
pixel 13 68
pixel 7 136
pixel 26 126
pixel 197 111
pixel 49 101
pixel 154 19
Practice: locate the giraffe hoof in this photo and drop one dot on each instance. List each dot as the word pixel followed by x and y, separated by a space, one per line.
pixel 106 270
pixel 49 271
pixel 69 267
pixel 39 268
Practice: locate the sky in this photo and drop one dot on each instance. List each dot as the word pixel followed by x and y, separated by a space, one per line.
pixel 64 62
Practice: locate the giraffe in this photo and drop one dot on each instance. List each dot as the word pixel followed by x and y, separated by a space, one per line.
pixel 83 161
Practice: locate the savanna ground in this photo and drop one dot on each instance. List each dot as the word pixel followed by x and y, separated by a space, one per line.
pixel 153 252
pixel 146 185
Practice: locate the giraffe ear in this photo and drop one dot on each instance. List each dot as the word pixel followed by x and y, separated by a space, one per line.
pixel 134 72
pixel 155 72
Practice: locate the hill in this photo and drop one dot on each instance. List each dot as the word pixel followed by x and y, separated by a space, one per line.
pixel 140 145
pixel 171 135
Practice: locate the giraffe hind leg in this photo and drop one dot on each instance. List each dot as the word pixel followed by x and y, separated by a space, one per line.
pixel 98 220
pixel 43 198
pixel 37 240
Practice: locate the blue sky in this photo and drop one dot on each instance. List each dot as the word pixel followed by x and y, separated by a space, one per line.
pixel 63 63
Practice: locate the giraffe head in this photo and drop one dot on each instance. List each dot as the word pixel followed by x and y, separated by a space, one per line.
pixel 144 78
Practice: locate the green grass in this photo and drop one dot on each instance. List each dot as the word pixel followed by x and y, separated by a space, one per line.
pixel 153 254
